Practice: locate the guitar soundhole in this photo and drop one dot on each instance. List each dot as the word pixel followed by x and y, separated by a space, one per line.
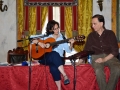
pixel 47 45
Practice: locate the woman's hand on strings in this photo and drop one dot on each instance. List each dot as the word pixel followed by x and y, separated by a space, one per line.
pixel 35 41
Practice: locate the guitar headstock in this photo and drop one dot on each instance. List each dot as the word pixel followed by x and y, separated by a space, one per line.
pixel 79 39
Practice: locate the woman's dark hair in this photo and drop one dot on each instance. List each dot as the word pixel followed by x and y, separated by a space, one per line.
pixel 50 26
pixel 100 19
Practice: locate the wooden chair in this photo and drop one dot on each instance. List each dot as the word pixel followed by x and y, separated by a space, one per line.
pixel 17 55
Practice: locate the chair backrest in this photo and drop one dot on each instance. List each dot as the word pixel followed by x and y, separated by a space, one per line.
pixel 17 56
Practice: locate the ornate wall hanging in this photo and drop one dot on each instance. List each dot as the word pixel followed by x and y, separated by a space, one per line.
pixel 50 2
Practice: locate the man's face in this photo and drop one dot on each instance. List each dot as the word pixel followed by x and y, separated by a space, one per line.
pixel 96 25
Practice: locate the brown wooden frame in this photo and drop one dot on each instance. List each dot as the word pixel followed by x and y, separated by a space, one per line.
pixel 114 17
pixel 17 52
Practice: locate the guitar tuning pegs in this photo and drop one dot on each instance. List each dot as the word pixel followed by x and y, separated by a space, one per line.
pixel 82 36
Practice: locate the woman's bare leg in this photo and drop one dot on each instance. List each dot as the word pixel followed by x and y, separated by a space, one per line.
pixel 61 69
pixel 58 83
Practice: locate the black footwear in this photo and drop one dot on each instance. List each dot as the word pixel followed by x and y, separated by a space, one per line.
pixel 66 80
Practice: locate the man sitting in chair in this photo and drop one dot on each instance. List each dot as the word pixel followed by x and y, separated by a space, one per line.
pixel 104 43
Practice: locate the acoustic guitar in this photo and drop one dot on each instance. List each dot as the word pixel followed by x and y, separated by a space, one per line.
pixel 37 51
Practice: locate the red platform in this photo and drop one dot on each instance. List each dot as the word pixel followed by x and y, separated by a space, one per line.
pixel 17 78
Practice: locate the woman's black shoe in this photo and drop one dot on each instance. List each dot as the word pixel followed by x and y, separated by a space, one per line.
pixel 66 80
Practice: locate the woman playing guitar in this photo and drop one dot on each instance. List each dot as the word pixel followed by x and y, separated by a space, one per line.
pixel 54 57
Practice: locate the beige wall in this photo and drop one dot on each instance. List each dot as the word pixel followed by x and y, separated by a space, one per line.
pixel 7 29
pixel 106 11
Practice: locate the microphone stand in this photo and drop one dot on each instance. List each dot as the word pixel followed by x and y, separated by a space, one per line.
pixel 74 80
pixel 30 38
pixel 73 59
pixel 30 67
pixel 29 64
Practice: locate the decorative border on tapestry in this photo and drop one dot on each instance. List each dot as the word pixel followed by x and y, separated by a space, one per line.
pixel 51 2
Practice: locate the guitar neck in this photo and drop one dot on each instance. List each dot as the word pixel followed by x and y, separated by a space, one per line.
pixel 59 42
pixel 78 38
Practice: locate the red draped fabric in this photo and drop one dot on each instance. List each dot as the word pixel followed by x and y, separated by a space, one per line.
pixel 26 18
pixel 75 17
pixel 50 17
pixel 17 78
pixel 38 18
pixel 62 18
pixel 50 13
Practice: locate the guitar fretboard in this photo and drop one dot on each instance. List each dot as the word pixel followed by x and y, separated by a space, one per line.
pixel 59 42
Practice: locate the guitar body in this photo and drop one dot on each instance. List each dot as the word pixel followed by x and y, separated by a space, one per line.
pixel 37 51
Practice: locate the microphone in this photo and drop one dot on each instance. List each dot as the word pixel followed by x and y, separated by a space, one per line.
pixel 38 36
pixel 32 37
pixel 21 40
pixel 72 62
